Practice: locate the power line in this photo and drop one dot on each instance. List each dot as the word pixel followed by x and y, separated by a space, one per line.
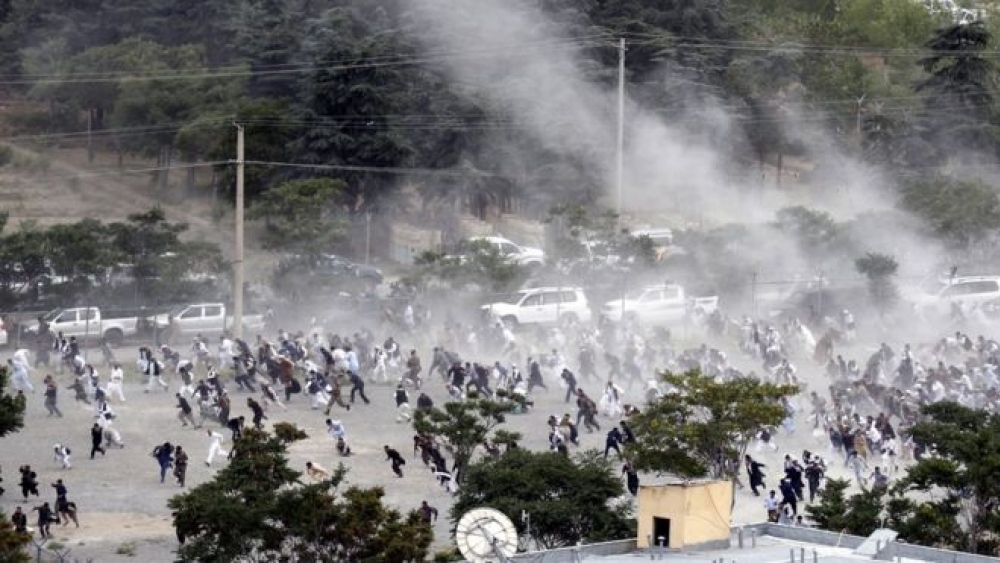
pixel 349 64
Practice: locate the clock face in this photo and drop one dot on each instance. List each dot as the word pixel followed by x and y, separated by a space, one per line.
pixel 483 533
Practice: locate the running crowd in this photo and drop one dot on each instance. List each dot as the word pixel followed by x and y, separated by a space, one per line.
pixel 859 413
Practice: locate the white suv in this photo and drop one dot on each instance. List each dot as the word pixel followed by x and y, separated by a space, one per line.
pixel 523 255
pixel 966 291
pixel 542 305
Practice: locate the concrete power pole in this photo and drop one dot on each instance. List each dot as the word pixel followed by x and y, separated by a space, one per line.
pixel 238 262
pixel 620 148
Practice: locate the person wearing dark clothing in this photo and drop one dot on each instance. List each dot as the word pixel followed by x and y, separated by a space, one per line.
pixel 235 425
pixel 180 465
pixel 587 411
pixel 631 478
pixel 755 475
pixel 29 482
pixel 65 508
pixel 45 518
pixel 20 521
pixel 788 496
pixel 163 455
pixel 428 513
pixel 184 413
pixel 535 377
pixel 397 460
pixel 96 438
pixel 357 386
pixel 424 402
pixel 627 433
pixel 814 474
pixel 612 441
pixel 258 413
pixel 570 380
pixel 794 475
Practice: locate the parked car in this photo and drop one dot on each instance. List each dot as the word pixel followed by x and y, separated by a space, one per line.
pixel 523 255
pixel 937 296
pixel 542 305
pixel 91 323
pixel 206 319
pixel 662 304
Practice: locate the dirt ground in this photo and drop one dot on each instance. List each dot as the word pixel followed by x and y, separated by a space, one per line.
pixel 123 513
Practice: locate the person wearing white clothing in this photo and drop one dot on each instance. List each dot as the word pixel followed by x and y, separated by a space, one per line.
pixel 62 455
pixel 19 376
pixel 215 447
pixel 116 382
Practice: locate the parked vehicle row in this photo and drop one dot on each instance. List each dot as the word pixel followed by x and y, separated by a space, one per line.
pixel 116 326
pixel 655 305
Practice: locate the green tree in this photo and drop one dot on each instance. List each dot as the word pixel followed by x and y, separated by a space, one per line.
pixel 702 427
pixel 11 410
pixel 967 444
pixel 255 509
pixel 306 217
pixel 570 500
pixel 957 211
pixel 879 269
pixel 959 88
pixel 13 545
pixel 860 514
pixel 464 427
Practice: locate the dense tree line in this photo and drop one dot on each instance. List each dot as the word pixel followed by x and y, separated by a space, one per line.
pixel 300 75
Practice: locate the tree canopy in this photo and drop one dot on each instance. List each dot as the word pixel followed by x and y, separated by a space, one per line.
pixel 570 500
pixel 702 427
pixel 256 509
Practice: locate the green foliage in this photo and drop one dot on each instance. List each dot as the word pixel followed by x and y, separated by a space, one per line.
pixel 13 546
pixel 569 500
pixel 830 512
pixel 288 432
pixel 967 443
pixel 879 269
pixel 306 217
pixel 11 410
pixel 959 212
pixel 482 264
pixel 256 509
pixel 464 427
pixel 699 430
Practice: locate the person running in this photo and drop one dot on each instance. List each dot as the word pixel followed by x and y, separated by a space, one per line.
pixel 163 455
pixel 397 460
pixel 184 411
pixel 20 521
pixel 45 518
pixel 180 465
pixel 96 439
pixel 51 392
pixel 64 508
pixel 214 447
pixel 258 413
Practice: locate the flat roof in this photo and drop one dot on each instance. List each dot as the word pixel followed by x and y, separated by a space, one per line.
pixel 769 549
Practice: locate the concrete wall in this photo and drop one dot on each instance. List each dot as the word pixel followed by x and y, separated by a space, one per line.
pixel 888 553
pixel 699 513
pixel 576 553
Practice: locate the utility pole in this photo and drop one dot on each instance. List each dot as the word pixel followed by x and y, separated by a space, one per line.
pixel 368 237
pixel 90 136
pixel 857 126
pixel 238 262
pixel 620 148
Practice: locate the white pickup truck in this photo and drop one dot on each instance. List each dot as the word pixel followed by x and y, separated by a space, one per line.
pixel 90 323
pixel 205 319
pixel 663 304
